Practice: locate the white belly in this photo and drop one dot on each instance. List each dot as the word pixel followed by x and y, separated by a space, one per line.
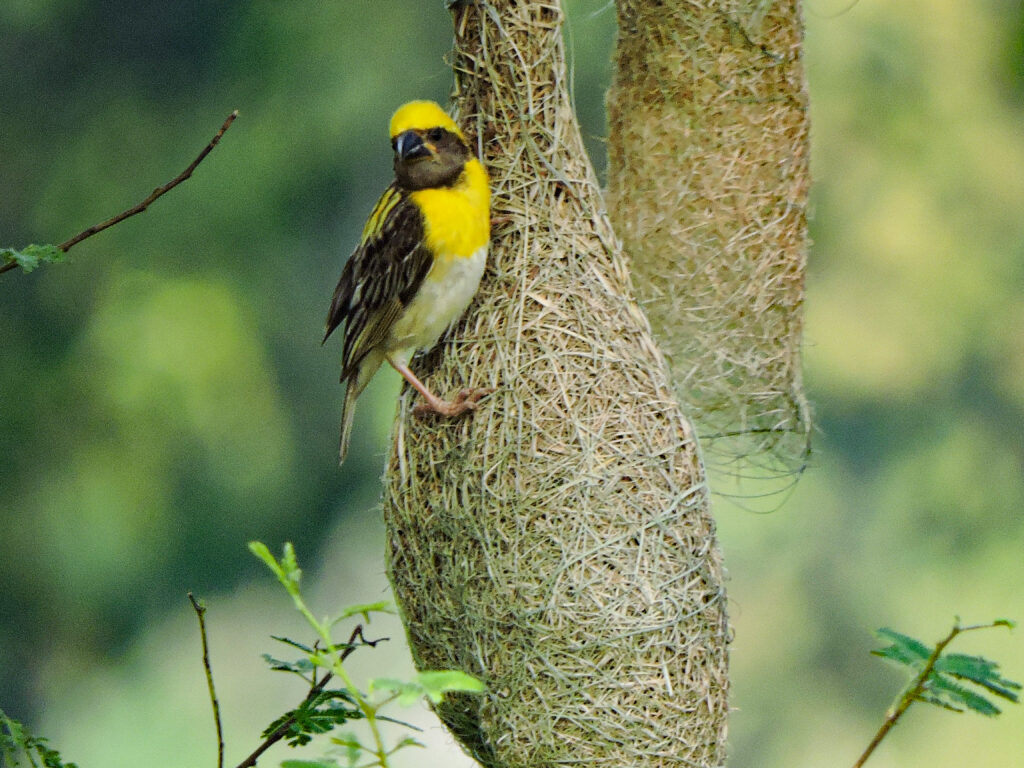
pixel 446 292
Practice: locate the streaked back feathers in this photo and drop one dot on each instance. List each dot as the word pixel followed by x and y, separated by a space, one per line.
pixel 375 223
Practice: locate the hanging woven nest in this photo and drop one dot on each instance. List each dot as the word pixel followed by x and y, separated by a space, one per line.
pixel 707 183
pixel 556 543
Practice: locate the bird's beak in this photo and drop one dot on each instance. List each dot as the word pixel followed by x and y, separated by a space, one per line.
pixel 410 146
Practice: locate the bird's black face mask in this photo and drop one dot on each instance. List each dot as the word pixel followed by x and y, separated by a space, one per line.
pixel 428 159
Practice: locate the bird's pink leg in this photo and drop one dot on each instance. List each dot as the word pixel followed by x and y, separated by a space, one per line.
pixel 465 400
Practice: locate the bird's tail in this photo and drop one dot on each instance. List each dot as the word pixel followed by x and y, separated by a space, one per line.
pixel 348 412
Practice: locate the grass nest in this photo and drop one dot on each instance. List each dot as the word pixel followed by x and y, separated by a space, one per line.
pixel 557 543
pixel 708 181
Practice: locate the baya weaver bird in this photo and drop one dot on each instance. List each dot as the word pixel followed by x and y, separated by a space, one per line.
pixel 418 263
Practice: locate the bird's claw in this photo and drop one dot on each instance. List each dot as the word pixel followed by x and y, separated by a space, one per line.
pixel 466 400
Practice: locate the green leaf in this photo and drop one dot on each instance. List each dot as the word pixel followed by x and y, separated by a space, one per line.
pixel 353 747
pixel 301 667
pixel 286 569
pixel 904 649
pixel 15 739
pixel 31 256
pixel 432 684
pixel 945 686
pixel 261 551
pixel 408 741
pixel 1003 688
pixel 290 563
pixel 979 671
pixel 308 764
pixel 12 735
pixel 958 697
pixel 382 606
pixel 294 644
pixel 437 683
pixel 971 667
pixel 938 701
pixel 395 721
pixel 408 692
pixel 325 711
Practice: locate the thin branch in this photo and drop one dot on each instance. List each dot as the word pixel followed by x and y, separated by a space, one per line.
pixel 200 610
pixel 914 691
pixel 153 196
pixel 282 730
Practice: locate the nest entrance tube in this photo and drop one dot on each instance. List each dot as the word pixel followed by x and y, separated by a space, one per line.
pixel 557 543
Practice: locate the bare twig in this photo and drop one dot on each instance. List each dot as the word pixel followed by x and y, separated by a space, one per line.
pixel 200 610
pixel 915 689
pixel 282 730
pixel 153 196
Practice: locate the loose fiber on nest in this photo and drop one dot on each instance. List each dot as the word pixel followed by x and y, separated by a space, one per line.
pixel 707 186
pixel 556 543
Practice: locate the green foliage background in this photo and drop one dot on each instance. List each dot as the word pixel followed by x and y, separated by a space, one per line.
pixel 164 398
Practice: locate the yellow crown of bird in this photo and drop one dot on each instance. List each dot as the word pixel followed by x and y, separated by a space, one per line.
pixel 421 115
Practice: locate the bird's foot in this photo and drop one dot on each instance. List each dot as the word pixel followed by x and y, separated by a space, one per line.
pixel 465 400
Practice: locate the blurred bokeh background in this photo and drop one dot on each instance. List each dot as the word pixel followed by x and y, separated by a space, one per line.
pixel 164 398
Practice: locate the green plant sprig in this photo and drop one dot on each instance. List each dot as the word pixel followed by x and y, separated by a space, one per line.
pixel 939 678
pixel 326 709
pixel 15 740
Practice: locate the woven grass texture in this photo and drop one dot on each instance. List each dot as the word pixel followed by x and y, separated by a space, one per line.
pixel 556 543
pixel 707 186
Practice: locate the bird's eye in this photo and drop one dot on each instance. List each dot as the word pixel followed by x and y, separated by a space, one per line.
pixel 435 134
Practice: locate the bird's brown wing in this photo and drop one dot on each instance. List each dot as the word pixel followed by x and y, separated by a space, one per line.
pixel 380 278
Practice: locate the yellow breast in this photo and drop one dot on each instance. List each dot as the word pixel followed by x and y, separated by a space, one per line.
pixel 456 219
